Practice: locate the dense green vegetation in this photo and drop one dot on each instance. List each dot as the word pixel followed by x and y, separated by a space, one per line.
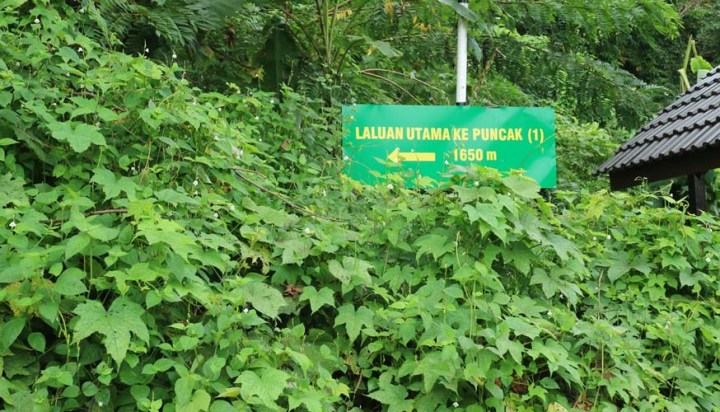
pixel 176 233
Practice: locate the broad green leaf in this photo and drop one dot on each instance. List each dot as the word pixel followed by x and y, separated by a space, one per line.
pixel 200 401
pixel 123 317
pixel 390 395
pixel 354 321
pixel 36 340
pixel 698 63
pixel 523 186
pixel 476 50
pixel 112 186
pixel 85 106
pixel 101 232
pixel 69 54
pixel 324 296
pixel 174 197
pixel 311 398
pixel 5 99
pixel 274 217
pixel 295 250
pixel 562 246
pixel 386 49
pixel 265 299
pixel 621 264
pixel 213 367
pixel 487 212
pixel 70 282
pixel 556 407
pixel 168 232
pixel 521 327
pixel 233 392
pixel 12 191
pixel 76 244
pixel 351 268
pixel 183 389
pixel 223 406
pixel 434 365
pixel 55 377
pixel 436 245
pixel 79 137
pixel 10 330
pixel 262 389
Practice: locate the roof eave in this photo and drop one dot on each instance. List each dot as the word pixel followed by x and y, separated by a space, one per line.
pixel 682 165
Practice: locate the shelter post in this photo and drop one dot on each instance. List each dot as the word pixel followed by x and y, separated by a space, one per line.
pixel 697 193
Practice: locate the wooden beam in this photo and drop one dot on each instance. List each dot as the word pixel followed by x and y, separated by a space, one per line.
pixel 696 193
pixel 674 166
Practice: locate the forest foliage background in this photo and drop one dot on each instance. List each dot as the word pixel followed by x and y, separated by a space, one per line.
pixel 176 233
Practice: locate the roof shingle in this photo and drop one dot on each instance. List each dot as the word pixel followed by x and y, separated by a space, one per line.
pixel 689 125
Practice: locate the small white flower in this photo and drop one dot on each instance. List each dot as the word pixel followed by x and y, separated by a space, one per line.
pixel 82 10
pixel 67 74
pixel 710 229
pixel 80 49
pixel 390 186
pixel 219 109
pixel 240 152
pixel 174 56
pixel 216 215
pixel 196 193
pixel 352 118
pixel 476 183
pixel 17 64
pixel 307 230
pixel 101 403
pixel 257 117
pixel 447 163
pixel 260 140
pixel 609 237
pixel 217 138
pixel 272 101
pixel 232 208
pixel 455 404
pixel 194 103
pixel 195 182
pixel 37 21
pixel 147 50
pixel 324 192
pixel 707 259
pixel 246 310
pixel 549 313
pixel 12 224
pixel 132 168
pixel 346 158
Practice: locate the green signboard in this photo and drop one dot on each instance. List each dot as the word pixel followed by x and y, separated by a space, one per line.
pixel 429 140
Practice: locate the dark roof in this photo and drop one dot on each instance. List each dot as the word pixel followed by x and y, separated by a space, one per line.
pixel 684 138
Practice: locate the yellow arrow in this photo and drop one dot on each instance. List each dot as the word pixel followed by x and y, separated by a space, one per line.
pixel 397 156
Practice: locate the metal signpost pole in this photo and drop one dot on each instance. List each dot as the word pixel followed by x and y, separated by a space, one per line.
pixel 460 91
